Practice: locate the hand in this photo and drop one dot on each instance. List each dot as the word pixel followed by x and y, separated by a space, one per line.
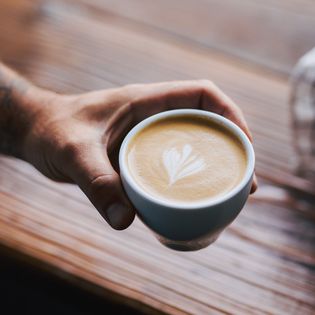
pixel 76 138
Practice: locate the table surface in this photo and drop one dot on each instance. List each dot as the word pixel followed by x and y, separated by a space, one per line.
pixel 264 262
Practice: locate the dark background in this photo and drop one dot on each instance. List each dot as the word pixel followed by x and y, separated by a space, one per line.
pixel 26 290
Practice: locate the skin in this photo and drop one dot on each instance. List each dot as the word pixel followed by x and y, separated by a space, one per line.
pixel 76 138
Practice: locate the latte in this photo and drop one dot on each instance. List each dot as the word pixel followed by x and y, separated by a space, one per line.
pixel 186 159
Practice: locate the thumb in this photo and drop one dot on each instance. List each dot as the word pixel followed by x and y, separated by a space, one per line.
pixel 107 195
pixel 91 169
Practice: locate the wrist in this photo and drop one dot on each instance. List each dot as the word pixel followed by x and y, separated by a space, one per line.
pixel 35 104
pixel 20 101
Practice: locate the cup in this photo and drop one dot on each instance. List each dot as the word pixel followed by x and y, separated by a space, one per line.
pixel 191 226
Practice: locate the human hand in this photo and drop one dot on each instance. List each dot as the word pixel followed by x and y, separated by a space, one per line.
pixel 76 138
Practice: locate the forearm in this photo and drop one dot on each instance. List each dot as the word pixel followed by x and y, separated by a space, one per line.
pixel 18 106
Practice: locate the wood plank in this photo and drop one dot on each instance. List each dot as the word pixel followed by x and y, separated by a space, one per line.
pixel 228 277
pixel 272 34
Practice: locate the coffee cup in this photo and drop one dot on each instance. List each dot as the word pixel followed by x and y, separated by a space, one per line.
pixel 188 173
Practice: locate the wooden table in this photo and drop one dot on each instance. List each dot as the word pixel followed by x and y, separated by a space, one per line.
pixel 264 262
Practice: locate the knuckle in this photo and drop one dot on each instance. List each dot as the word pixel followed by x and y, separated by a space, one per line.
pixel 205 84
pixel 71 150
pixel 104 182
pixel 232 111
pixel 236 110
pixel 129 88
pixel 132 91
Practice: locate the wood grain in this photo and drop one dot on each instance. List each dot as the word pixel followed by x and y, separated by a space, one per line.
pixel 105 52
pixel 272 34
pixel 262 264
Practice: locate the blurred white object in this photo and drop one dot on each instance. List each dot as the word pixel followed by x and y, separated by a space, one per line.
pixel 303 115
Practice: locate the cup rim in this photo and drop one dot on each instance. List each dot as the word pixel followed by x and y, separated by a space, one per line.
pixel 250 155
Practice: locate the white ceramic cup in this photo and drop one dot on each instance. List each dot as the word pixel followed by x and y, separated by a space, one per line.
pixel 195 225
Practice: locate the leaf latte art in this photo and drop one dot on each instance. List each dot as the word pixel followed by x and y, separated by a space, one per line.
pixel 180 164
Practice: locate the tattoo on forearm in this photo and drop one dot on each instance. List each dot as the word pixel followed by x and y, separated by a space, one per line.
pixel 13 122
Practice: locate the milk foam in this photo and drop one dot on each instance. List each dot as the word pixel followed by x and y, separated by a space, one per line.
pixel 186 159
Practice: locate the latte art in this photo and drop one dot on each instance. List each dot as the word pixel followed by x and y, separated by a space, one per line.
pixel 180 164
pixel 186 159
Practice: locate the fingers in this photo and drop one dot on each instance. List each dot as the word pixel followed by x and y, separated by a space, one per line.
pixel 150 99
pixel 90 168
pixel 214 100
pixel 201 94
pixel 153 98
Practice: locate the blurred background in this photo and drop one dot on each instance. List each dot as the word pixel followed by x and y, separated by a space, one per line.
pixel 249 48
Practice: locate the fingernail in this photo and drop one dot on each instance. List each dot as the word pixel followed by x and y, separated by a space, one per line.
pixel 118 216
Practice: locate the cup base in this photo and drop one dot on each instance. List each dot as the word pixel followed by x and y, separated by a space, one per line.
pixel 187 246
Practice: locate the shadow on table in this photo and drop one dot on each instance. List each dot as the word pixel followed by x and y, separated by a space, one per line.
pixel 25 290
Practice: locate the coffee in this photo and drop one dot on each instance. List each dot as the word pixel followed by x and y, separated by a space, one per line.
pixel 186 159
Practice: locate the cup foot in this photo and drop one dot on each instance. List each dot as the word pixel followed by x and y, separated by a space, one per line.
pixel 186 246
